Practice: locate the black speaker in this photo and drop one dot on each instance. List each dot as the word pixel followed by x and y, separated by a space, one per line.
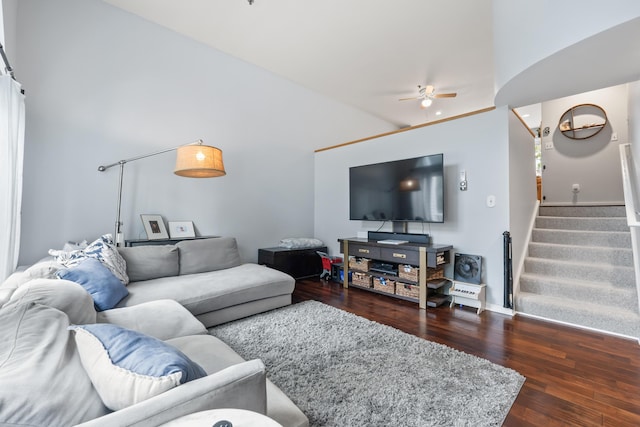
pixel 409 237
pixel 467 268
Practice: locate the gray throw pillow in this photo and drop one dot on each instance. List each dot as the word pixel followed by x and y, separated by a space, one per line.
pixel 202 255
pixel 151 262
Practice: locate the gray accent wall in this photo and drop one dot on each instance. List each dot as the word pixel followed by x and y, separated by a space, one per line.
pixel 478 144
pixel 104 85
pixel 593 163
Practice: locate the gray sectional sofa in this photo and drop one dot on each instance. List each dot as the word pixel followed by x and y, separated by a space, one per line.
pixel 174 294
pixel 207 277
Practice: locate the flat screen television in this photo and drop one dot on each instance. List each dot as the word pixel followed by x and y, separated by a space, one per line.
pixel 400 190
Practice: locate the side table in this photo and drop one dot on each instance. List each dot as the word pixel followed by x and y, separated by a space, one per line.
pixel 298 263
pixel 215 417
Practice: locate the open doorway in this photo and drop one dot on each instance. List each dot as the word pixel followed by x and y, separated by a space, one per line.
pixel 532 116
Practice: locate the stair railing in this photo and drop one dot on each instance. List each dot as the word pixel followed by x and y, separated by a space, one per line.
pixel 632 205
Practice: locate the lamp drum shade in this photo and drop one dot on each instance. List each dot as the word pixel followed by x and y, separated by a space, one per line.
pixel 199 161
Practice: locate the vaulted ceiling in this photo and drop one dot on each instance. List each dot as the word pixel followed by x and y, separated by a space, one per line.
pixel 365 53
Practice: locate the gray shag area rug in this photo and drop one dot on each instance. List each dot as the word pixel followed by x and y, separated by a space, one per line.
pixel 344 370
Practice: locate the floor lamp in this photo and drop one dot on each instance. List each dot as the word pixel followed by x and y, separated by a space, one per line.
pixel 193 160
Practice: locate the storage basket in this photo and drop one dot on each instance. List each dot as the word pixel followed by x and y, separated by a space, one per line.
pixel 360 264
pixel 361 279
pixel 384 285
pixel 435 273
pixel 408 272
pixel 407 290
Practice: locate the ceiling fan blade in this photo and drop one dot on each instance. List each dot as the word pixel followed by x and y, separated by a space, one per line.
pixel 408 99
pixel 445 95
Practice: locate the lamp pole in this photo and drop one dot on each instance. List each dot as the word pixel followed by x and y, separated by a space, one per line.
pixel 119 235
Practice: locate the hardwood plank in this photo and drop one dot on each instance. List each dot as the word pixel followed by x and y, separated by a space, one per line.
pixel 574 376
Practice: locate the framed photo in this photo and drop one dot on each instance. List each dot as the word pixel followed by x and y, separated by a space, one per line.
pixel 154 226
pixel 181 229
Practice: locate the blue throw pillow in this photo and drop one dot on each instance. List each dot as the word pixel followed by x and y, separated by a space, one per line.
pixel 127 367
pixel 105 288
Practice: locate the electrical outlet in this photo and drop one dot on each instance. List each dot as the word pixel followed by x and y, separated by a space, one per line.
pixel 548 145
pixel 614 136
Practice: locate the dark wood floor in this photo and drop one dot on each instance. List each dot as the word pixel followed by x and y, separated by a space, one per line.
pixel 574 377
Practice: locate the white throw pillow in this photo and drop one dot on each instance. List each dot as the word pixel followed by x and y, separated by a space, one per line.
pixel 127 367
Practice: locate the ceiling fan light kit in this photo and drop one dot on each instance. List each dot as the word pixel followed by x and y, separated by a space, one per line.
pixel 426 102
pixel 427 94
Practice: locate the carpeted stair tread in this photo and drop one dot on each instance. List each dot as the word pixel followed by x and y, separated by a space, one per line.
pixel 609 239
pixel 599 211
pixel 580 253
pixel 604 294
pixel 582 223
pixel 618 320
pixel 579 269
pixel 618 276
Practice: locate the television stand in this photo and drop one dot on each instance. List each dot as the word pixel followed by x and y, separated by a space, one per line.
pixel 425 260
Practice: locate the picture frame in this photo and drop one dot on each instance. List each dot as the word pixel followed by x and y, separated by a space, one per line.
pixel 181 229
pixel 154 227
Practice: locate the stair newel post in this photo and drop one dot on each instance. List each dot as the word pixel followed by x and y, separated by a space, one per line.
pixel 508 270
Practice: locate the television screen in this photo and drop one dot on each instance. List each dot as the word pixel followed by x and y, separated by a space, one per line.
pixel 401 190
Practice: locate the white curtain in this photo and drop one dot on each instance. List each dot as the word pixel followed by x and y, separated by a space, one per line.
pixel 11 160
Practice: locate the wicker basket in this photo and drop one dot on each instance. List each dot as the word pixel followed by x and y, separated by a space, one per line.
pixel 384 285
pixel 361 279
pixel 408 272
pixel 407 290
pixel 360 264
pixel 435 273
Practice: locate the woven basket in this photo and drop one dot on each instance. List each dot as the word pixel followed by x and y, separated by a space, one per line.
pixel 384 285
pixel 408 272
pixel 435 273
pixel 361 279
pixel 360 264
pixel 407 290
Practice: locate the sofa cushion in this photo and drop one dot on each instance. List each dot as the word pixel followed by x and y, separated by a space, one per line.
pixel 105 288
pixel 214 290
pixel 202 255
pixel 42 379
pixel 127 367
pixel 151 262
pixel 162 319
pixel 68 297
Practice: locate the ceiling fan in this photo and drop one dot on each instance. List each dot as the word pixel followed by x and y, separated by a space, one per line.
pixel 426 95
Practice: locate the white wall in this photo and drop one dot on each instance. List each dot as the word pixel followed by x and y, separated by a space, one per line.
pixel 104 85
pixel 526 33
pixel 634 124
pixel 8 19
pixel 594 163
pixel 477 144
pixel 522 191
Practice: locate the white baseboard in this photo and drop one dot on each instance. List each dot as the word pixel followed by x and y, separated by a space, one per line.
pixel 573 325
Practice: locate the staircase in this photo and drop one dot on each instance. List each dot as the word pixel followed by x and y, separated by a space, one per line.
pixel 580 269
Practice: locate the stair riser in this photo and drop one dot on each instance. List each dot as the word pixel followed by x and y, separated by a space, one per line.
pixel 578 317
pixel 599 211
pixel 582 223
pixel 621 298
pixel 613 256
pixel 586 238
pixel 617 276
